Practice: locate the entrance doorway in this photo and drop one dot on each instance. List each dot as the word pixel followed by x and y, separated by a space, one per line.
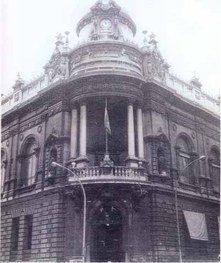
pixel 107 236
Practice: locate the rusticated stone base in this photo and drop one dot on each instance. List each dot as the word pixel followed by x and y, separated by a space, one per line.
pixel 149 229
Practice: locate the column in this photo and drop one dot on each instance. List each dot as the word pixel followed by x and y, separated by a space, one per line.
pixel 130 121
pixel 83 129
pixel 140 133
pixel 74 128
pixel 82 160
pixel 131 160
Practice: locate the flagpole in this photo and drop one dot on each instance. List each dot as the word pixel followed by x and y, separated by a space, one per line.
pixel 106 160
pixel 106 129
pixel 106 142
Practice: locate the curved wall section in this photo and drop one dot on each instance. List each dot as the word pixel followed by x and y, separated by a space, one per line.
pixel 102 86
pixel 106 57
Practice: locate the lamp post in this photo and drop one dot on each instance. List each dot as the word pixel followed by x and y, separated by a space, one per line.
pixel 54 164
pixel 176 205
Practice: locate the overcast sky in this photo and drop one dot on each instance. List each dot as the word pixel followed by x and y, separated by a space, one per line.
pixel 188 32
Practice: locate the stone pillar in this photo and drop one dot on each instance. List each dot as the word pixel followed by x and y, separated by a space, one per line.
pixel 131 160
pixel 82 160
pixel 130 122
pixel 140 134
pixel 83 129
pixel 74 129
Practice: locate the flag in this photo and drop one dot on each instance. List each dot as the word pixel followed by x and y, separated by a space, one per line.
pixel 106 119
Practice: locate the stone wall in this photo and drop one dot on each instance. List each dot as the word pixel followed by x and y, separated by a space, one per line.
pixel 47 230
pixel 150 230
pixel 164 229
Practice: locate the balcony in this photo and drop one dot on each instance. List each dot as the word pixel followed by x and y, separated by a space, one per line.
pixel 119 174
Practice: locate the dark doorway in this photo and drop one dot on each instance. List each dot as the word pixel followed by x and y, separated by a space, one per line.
pixel 107 236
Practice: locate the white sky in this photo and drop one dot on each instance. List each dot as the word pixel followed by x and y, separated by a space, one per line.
pixel 188 32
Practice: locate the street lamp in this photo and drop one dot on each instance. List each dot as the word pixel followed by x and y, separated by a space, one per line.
pixel 176 204
pixel 54 164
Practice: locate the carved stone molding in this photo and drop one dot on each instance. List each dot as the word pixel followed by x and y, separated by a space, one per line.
pixel 102 10
pixel 53 138
pixel 154 66
pixel 174 127
pixel 5 135
pixel 117 57
pixel 35 121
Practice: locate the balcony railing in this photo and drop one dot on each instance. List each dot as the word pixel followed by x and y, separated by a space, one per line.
pixel 116 173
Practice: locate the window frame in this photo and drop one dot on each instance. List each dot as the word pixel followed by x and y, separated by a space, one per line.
pixel 15 234
pixel 28 232
pixel 184 153
pixel 214 168
pixel 29 160
pixel 4 163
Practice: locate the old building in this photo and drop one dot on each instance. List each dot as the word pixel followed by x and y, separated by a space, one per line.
pixel 150 168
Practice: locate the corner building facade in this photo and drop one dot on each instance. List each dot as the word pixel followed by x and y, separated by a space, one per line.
pixel 153 196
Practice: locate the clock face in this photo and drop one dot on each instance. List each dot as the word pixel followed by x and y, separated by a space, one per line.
pixel 105 24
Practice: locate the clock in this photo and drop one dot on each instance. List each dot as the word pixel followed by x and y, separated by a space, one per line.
pixel 105 24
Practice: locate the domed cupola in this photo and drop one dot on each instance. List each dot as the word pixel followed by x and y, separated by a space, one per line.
pixel 105 21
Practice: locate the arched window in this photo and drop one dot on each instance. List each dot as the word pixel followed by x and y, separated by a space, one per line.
pixel 184 150
pixel 214 168
pixel 162 166
pixel 29 162
pixel 160 155
pixel 53 158
pixel 3 169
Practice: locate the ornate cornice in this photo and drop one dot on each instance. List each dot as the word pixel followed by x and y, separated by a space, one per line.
pixel 42 115
pixel 187 117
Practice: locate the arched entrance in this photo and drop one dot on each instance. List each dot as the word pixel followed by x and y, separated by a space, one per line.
pixel 107 236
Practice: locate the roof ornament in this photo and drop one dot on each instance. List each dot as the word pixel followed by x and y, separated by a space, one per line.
pixel 19 82
pixel 195 81
pixel 105 2
pixel 154 48
pixel 105 5
pixel 145 42
pixel 18 76
pixel 67 40
pixel 155 67
pixel 153 39
pixel 59 40
pixel 59 44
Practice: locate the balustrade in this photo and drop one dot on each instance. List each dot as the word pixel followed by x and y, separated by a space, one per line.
pixel 116 172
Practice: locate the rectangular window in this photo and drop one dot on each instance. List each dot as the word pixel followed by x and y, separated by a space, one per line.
pixel 28 232
pixel 14 234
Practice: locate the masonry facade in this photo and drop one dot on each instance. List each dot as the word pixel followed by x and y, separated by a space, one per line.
pixel 162 161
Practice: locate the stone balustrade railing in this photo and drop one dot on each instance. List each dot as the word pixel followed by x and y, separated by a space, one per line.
pixel 109 173
pixel 116 174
